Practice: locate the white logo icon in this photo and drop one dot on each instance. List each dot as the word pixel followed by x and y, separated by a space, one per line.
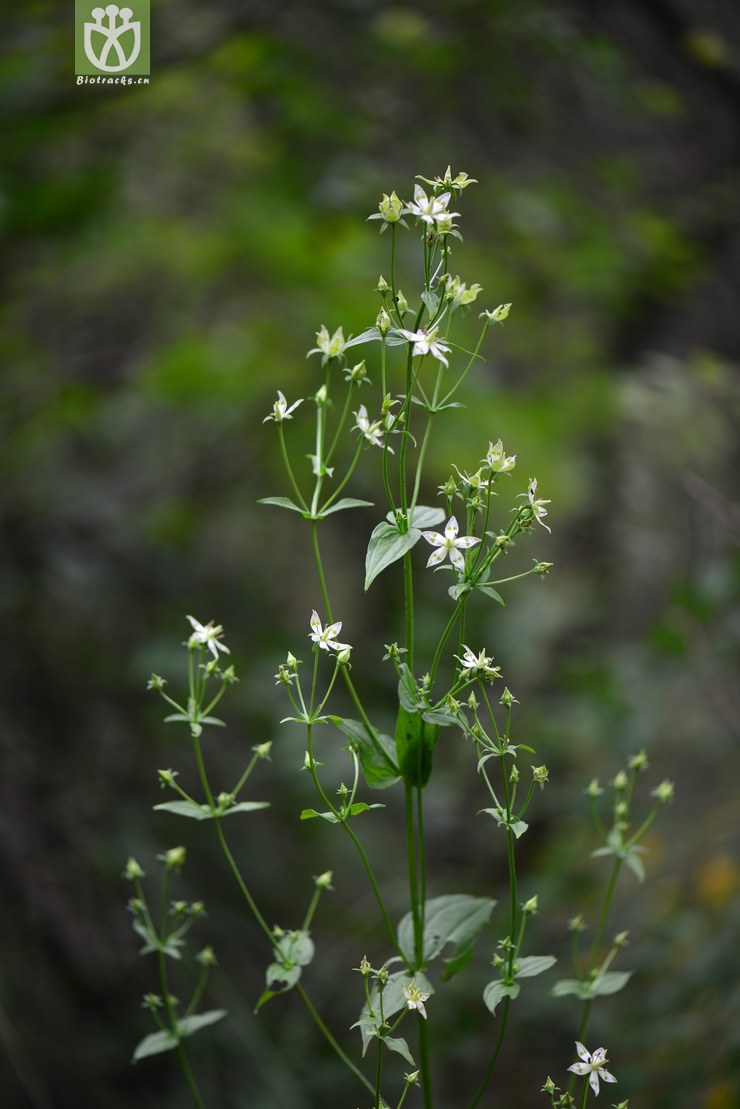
pixel 106 37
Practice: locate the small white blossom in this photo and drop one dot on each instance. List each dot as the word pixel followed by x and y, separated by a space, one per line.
pixel 478 665
pixel 430 208
pixel 426 342
pixel 496 458
pixel 331 346
pixel 449 544
pixel 415 998
pixel 371 431
pixel 326 637
pixel 280 410
pixel 207 635
pixel 593 1066
pixel 537 506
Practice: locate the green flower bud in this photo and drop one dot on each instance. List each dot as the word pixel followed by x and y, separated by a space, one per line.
pixel 663 792
pixel 576 923
pixel 620 781
pixel 344 656
pixel 382 286
pixel 498 315
pixel 593 789
pixel 228 676
pixel 321 397
pixel 166 777
pixel 412 1079
pixel 155 682
pixel 530 907
pixel 639 761
pixel 262 750
pixel 224 800
pixel 152 1001
pixel 133 870
pixel 358 373
pixel 383 321
pixel 543 568
pixel 507 698
pixel 621 939
pixel 472 702
pixel 539 773
pixel 323 881
pixel 514 776
pixel 364 968
pixel 206 957
pixel 390 208
pixel 174 858
pixel 502 541
pixel 402 303
pixel 549 1087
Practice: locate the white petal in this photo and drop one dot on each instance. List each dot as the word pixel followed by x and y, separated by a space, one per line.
pixel 434 538
pixel 599 1055
pixel 582 1053
pixel 224 648
pixel 333 629
pixel 444 200
pixel 437 556
pixel 451 528
pixel 315 622
pixel 594 1080
pixel 419 195
pixel 422 1010
pixel 466 541
pixel 194 623
pixel 605 1076
pixel 335 646
pixel 580 1068
pixel 457 559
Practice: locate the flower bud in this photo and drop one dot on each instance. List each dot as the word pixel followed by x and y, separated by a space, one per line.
pixel 382 286
pixel 621 939
pixel 593 789
pixel 206 957
pixel 155 682
pixel 179 907
pixel 358 373
pixel 539 773
pixel 549 1087
pixel 152 1001
pixel 514 776
pixel 383 321
pixel 472 702
pixel 620 781
pixel 450 487
pixel 543 568
pixel 392 649
pixel 530 907
pixel 402 303
pixel 133 870
pixel 228 676
pixel 262 750
pixel 663 792
pixel 502 541
pixel 224 800
pixel 498 315
pixel 390 208
pixel 576 923
pixel 507 698
pixel 174 858
pixel 413 1078
pixel 323 881
pixel 344 656
pixel 321 397
pixel 364 967
pixel 639 761
pixel 166 777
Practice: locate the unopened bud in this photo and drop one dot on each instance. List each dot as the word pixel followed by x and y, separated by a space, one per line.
pixel 576 923
pixel 402 303
pixel 174 858
pixel 262 750
pixel 530 907
pixel 206 957
pixel 383 321
pixel 382 286
pixel 155 682
pixel 539 773
pixel 593 789
pixel 507 698
pixel 620 780
pixel 323 881
pixel 133 870
pixel 639 761
pixel 664 792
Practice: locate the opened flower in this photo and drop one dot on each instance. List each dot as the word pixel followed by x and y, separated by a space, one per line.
pixel 537 506
pixel 326 637
pixel 429 208
pixel 497 460
pixel 478 665
pixel 331 346
pixel 449 544
pixel 207 635
pixel 372 432
pixel 593 1066
pixel 415 998
pixel 280 410
pixel 426 342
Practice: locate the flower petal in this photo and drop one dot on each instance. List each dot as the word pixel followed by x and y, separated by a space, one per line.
pixel 594 1081
pixel 580 1068
pixel 582 1053
pixel 434 538
pixel 457 560
pixel 451 528
pixel 437 556
pixel 333 629
pixel 315 622
pixel 599 1055
pixel 605 1076
pixel 466 541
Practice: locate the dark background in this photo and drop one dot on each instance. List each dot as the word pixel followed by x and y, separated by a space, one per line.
pixel 169 253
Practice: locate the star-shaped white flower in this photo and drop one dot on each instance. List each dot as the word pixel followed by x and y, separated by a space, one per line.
pixel 371 431
pixel 280 409
pixel 208 635
pixel 449 544
pixel 593 1066
pixel 326 637
pixel 426 342
pixel 497 460
pixel 479 665
pixel 415 998
pixel 429 208
pixel 538 507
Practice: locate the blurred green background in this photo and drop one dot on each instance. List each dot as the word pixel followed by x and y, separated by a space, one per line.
pixel 169 253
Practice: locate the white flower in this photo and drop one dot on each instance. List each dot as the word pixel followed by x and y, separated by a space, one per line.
pixel 449 544
pixel 280 410
pixel 415 998
pixel 372 432
pixel 497 460
pixel 330 346
pixel 538 507
pixel 430 208
pixel 593 1066
pixel 207 635
pixel 426 342
pixel 478 664
pixel 326 637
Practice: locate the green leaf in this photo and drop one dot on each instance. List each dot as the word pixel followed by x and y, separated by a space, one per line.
pixel 154 1044
pixel 212 720
pixel 491 592
pixel 571 987
pixel 373 335
pixel 185 808
pixel 295 947
pixel 423 516
pixel 533 965
pixel 386 546
pixel 455 919
pixel 283 502
pixel 443 718
pixel 636 865
pixel 345 502
pixel 456 591
pixel 202 812
pixel 189 1025
pixel 496 991
pixel 329 817
pixel 379 765
pixel 612 982
pixel 276 972
pixel 518 827
pixel 431 300
pixel 408 691
pixel 415 741
pixel 400 1047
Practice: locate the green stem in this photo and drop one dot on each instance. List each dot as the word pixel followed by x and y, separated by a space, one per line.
pixel 345 479
pixel 320 569
pixel 425 1067
pixel 494 1057
pixel 330 1039
pixel 408 605
pixel 289 468
pixel 189 1078
pixel 378 1074
pixel 413 874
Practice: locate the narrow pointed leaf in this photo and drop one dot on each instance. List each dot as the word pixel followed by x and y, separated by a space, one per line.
pixel 189 1025
pixel 154 1044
